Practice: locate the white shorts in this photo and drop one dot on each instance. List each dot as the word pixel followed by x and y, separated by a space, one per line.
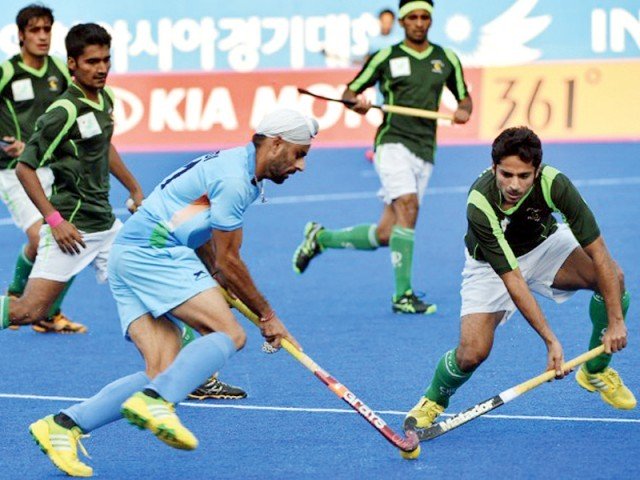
pixel 53 264
pixel 23 212
pixel 401 172
pixel 483 291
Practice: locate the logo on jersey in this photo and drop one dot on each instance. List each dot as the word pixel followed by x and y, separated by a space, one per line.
pixel 504 223
pixel 200 274
pixel 437 66
pixel 533 214
pixel 54 83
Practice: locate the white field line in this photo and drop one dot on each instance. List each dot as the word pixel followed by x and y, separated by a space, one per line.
pixel 16 396
pixel 347 196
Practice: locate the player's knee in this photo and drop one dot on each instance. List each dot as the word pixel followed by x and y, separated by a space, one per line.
pixel 470 358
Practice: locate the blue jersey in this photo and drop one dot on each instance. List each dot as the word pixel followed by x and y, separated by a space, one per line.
pixel 211 192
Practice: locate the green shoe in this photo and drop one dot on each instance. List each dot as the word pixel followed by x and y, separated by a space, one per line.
pixel 158 416
pixel 309 248
pixel 410 303
pixel 61 446
pixel 423 414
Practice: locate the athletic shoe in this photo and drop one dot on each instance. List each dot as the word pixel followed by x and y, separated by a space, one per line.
pixel 61 446
pixel 217 390
pixel 410 303
pixel 158 416
pixel 423 414
pixel 612 390
pixel 309 248
pixel 58 324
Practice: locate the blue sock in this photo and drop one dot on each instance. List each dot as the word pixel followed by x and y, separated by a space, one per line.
pixel 193 365
pixel 104 406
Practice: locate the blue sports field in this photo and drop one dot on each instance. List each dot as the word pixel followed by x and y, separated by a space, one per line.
pixel 292 426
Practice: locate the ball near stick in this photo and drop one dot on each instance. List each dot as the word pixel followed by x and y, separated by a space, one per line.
pixel 412 455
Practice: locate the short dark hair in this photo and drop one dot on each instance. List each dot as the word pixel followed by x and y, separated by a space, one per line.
pixel 385 11
pixel 85 34
pixel 520 141
pixel 33 10
pixel 257 139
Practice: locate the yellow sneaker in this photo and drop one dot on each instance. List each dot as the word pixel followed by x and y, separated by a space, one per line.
pixel 59 323
pixel 158 416
pixel 612 390
pixel 61 446
pixel 423 414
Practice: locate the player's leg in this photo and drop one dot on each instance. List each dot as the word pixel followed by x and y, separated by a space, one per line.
pixel 25 260
pixel 578 273
pixel 210 315
pixel 59 435
pixel 213 388
pixel 32 306
pixel 456 367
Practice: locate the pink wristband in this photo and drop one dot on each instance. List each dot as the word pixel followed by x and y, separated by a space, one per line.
pixel 54 219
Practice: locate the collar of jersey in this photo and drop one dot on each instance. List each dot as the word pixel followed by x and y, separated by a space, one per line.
pixel 251 159
pixel 415 54
pixel 35 72
pixel 83 98
pixel 512 210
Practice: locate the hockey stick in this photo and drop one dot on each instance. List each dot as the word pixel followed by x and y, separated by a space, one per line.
pixel 407 444
pixel 440 428
pixel 408 111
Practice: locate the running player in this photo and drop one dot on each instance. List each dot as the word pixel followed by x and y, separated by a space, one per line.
pixel 73 137
pixel 514 247
pixel 200 206
pixel 29 82
pixel 413 74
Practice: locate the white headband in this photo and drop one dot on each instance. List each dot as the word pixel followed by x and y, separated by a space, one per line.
pixel 290 125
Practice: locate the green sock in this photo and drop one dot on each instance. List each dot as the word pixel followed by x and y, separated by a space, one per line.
pixel 360 237
pixel 446 380
pixel 598 314
pixel 21 273
pixel 4 312
pixel 55 308
pixel 401 245
pixel 188 335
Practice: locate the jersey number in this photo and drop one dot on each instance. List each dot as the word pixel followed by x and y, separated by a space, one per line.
pixel 188 167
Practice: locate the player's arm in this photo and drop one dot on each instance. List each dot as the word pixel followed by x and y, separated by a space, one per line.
pixel 367 77
pixel 125 177
pixel 463 112
pixel 10 143
pixel 51 129
pixel 226 245
pixel 457 85
pixel 565 198
pixel 528 306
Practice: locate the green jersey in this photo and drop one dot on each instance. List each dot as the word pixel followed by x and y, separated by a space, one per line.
pixel 411 79
pixel 25 94
pixel 73 138
pixel 499 236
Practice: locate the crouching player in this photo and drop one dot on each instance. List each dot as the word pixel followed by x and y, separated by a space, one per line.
pixel 516 247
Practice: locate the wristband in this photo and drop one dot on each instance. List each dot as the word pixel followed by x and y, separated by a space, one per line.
pixel 54 219
pixel 269 316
